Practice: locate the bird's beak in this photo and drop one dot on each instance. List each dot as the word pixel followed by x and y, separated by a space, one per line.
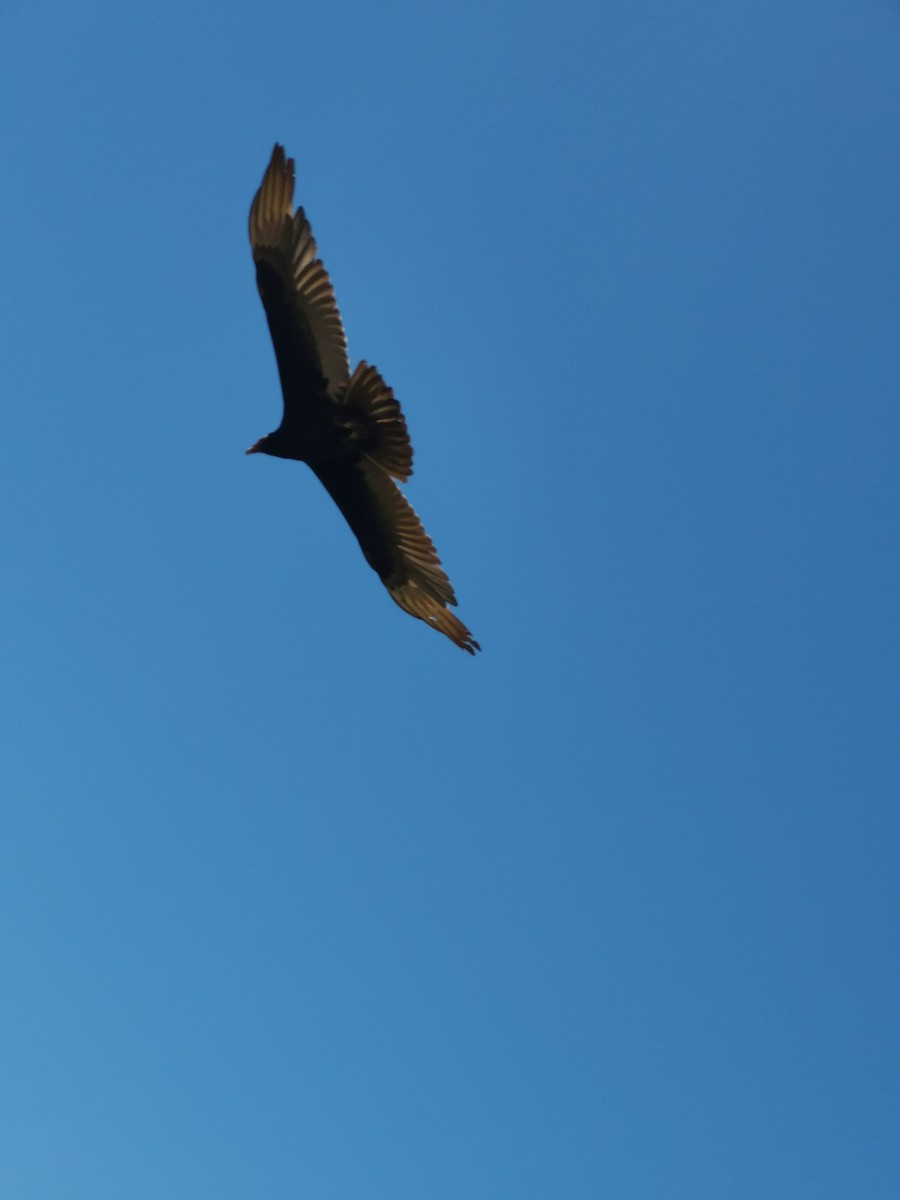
pixel 256 447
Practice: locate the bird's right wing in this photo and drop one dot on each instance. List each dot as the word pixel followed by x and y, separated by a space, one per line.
pixel 395 544
pixel 290 271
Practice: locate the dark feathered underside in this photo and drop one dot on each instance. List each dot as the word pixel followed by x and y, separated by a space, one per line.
pixel 348 428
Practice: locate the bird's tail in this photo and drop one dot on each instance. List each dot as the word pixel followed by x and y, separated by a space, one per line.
pixel 383 425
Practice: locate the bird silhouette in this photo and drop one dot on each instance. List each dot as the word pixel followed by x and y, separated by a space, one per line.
pixel 347 427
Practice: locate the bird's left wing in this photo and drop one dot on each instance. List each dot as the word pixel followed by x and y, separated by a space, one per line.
pixel 283 243
pixel 395 544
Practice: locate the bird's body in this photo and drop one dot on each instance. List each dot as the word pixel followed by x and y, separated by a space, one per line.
pixel 348 428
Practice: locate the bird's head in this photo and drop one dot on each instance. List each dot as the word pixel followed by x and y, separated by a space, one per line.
pixel 277 444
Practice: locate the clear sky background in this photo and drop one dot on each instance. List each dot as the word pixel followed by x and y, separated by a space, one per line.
pixel 298 900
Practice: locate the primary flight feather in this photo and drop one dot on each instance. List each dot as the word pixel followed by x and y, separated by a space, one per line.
pixel 347 427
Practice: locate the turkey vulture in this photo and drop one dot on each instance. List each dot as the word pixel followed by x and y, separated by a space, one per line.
pixel 348 428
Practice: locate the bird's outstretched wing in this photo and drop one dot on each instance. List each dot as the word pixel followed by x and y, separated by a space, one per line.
pixel 395 544
pixel 295 289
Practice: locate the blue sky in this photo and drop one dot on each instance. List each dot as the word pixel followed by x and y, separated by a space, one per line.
pixel 295 898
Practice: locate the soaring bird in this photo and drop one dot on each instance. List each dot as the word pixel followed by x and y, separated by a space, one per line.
pixel 348 428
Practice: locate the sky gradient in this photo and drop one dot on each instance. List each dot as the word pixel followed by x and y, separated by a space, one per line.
pixel 296 899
